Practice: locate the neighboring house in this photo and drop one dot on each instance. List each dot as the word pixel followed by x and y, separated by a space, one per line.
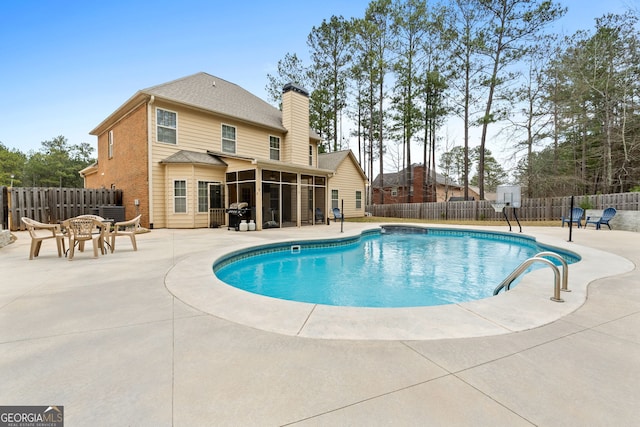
pixel 184 151
pixel 396 189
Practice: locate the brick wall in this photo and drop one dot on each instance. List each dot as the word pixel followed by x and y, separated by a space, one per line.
pixel 127 169
pixel 420 194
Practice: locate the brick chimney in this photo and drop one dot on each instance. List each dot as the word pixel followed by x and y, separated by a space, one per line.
pixel 295 118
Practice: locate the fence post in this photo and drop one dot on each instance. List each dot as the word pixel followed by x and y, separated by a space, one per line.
pixel 4 208
pixel 571 219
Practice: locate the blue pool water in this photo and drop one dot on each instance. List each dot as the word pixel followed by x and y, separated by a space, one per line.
pixel 390 269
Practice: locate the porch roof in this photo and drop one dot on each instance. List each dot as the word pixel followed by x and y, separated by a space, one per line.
pixel 274 164
pixel 194 157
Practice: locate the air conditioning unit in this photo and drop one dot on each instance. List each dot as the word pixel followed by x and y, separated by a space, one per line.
pixel 115 213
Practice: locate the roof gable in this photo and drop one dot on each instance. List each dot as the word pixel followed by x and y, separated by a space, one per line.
pixel 331 161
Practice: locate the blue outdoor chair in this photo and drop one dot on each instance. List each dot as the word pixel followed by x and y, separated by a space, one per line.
pixel 607 215
pixel 336 214
pixel 576 217
pixel 319 215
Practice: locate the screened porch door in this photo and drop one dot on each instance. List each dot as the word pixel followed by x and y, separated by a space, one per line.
pixel 217 216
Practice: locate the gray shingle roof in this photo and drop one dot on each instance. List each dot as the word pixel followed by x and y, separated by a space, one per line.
pixel 214 94
pixel 331 161
pixel 208 93
pixel 184 156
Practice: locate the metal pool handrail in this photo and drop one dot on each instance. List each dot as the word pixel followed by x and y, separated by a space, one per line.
pixel 506 283
pixel 565 268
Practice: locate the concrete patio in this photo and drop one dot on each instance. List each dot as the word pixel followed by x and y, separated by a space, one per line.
pixel 133 338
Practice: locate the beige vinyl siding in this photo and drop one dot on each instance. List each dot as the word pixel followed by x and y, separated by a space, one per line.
pixel 300 150
pixel 173 173
pixel 196 132
pixel 347 180
pixel 253 141
pixel 295 147
pixel 191 174
pixel 201 132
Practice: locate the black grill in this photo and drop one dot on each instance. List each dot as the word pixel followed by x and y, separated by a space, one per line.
pixel 237 211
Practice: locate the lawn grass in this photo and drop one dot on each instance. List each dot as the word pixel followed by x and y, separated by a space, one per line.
pixel 456 222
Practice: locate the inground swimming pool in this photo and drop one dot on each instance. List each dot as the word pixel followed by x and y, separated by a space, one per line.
pixel 394 266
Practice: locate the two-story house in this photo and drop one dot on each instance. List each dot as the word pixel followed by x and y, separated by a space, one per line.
pixel 184 151
pixel 397 190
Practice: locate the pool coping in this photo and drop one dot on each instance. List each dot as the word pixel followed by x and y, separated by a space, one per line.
pixel 525 307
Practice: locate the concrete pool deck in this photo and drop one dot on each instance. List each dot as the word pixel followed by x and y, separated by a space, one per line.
pixel 527 306
pixel 129 339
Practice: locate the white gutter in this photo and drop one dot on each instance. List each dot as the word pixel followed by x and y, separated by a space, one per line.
pixel 150 156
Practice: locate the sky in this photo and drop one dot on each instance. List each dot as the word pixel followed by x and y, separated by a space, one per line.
pixel 67 65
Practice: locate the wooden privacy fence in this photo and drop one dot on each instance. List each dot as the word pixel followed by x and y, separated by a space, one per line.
pixel 52 205
pixel 4 208
pixel 543 209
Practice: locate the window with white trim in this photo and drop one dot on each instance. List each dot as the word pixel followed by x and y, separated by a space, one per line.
pixel 334 199
pixel 180 196
pixel 358 199
pixel 274 148
pixel 167 125
pixel 228 139
pixel 110 145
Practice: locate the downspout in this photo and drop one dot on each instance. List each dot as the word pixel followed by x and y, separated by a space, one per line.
pixel 150 157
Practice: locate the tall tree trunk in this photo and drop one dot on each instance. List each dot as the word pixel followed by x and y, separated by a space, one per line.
pixel 467 94
pixel 425 178
pixel 485 121
pixel 432 161
pixel 608 161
